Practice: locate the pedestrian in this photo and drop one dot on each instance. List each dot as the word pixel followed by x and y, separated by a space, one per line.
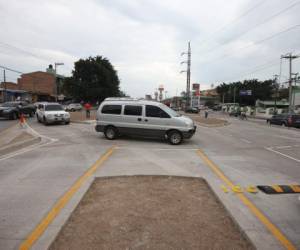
pixel 206 114
pixel 87 107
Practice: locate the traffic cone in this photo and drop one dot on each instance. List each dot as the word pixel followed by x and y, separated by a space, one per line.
pixel 22 120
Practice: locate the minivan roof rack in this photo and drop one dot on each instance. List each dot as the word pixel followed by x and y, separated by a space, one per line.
pixel 120 99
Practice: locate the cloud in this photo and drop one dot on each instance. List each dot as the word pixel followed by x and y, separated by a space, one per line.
pixel 144 39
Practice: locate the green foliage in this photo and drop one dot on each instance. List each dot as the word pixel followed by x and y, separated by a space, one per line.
pixel 93 79
pixel 261 90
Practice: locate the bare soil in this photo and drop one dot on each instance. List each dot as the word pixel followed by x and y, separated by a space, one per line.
pixel 150 212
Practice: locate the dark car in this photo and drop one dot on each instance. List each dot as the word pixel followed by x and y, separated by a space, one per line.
pixel 216 108
pixel 235 113
pixel 192 110
pixel 12 110
pixel 289 120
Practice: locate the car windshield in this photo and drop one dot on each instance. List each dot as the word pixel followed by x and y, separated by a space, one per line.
pixel 170 111
pixel 53 107
pixel 10 104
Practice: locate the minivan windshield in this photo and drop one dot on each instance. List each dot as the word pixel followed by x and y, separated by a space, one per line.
pixel 170 111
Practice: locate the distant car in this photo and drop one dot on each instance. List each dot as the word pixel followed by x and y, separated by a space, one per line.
pixel 13 110
pixel 192 110
pixel 288 120
pixel 234 113
pixel 52 113
pixel 74 107
pixel 216 108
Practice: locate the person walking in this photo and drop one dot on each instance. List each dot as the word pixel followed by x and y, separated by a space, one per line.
pixel 88 107
pixel 206 114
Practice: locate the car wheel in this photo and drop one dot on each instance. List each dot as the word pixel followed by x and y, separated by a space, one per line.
pixel 110 133
pixel 72 110
pixel 14 116
pixel 175 137
pixel 45 121
pixel 38 119
pixel 31 114
pixel 67 123
pixel 283 124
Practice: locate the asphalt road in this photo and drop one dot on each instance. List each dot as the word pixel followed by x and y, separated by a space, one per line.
pixel 247 153
pixel 5 123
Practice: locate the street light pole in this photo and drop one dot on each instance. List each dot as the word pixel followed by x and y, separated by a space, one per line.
pixel 56 82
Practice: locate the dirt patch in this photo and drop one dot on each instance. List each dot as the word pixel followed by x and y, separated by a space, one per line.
pixel 209 122
pixel 150 212
pixel 81 115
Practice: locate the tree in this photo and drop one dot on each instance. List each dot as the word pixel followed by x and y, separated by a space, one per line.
pixel 93 79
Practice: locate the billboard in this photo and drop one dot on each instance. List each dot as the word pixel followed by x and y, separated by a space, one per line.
pixel 196 86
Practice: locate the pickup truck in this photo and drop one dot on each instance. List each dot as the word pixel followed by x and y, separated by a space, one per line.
pixel 13 110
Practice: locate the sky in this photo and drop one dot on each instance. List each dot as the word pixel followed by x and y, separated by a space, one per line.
pixel 143 39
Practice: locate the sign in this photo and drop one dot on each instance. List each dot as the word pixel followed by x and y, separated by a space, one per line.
pixel 61 97
pixel 196 86
pixel 245 92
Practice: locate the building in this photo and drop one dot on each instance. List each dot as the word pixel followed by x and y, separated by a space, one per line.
pixel 34 86
pixel 9 92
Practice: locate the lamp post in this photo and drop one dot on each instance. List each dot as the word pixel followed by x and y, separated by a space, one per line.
pixel 57 90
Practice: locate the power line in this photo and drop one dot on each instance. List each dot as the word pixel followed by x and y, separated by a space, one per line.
pixel 222 28
pixel 255 26
pixel 259 41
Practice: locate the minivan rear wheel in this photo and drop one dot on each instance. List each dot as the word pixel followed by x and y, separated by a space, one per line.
pixel 175 137
pixel 110 133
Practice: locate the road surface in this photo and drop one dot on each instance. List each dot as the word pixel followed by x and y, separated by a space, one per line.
pixel 247 153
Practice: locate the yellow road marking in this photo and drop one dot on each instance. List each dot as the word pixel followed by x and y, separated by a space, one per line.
pixel 277 188
pixel 60 204
pixel 295 188
pixel 263 219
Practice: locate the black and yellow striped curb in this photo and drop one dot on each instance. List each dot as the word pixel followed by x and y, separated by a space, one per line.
pixel 280 189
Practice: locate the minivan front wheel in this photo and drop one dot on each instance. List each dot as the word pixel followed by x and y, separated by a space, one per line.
pixel 175 137
pixel 110 133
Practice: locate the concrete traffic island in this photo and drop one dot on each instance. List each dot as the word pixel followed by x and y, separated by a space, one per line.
pixel 16 138
pixel 150 212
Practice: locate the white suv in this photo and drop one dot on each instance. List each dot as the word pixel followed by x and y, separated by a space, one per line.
pixel 52 113
pixel 117 116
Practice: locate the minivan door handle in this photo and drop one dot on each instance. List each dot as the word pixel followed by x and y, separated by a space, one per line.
pixel 139 119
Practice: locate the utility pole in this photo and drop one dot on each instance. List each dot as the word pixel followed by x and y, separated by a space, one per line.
pixel 291 58
pixel 294 94
pixel 4 82
pixel 234 94
pixel 276 92
pixel 188 74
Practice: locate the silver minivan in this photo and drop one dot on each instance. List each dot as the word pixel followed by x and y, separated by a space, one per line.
pixel 118 116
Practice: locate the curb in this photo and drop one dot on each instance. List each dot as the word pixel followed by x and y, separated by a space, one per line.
pixel 213 125
pixel 84 122
pixel 19 145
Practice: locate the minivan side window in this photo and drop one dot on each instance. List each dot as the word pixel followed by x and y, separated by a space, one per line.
pixel 154 111
pixel 133 110
pixel 111 109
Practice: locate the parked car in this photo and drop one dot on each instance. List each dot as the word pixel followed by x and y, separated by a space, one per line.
pixel 289 120
pixel 12 110
pixel 235 113
pixel 118 116
pixel 74 107
pixel 217 108
pixel 52 113
pixel 192 110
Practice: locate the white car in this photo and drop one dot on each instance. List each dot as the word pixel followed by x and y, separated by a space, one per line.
pixel 48 113
pixel 117 116
pixel 74 107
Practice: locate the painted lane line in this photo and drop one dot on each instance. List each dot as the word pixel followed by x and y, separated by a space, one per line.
pixel 255 210
pixel 245 140
pixel 62 202
pixel 285 155
pixel 287 137
pixel 281 147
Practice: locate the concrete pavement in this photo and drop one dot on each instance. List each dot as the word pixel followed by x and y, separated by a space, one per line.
pixel 35 180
